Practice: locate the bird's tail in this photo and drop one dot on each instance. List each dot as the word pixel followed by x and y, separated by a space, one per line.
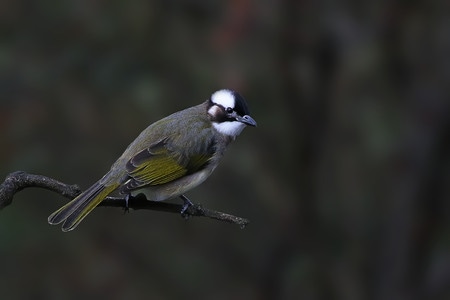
pixel 76 210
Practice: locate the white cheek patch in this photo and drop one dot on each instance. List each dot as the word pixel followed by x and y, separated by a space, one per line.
pixel 224 98
pixel 233 128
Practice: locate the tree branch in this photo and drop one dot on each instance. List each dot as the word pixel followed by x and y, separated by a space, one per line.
pixel 20 180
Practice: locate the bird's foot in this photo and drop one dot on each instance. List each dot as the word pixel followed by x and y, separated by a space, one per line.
pixel 186 204
pixel 126 209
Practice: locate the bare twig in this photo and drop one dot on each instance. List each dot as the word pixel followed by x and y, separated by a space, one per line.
pixel 19 180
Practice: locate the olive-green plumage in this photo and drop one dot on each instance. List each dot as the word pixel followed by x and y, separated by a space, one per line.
pixel 168 158
pixel 163 155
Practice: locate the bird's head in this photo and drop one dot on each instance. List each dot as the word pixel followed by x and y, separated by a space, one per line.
pixel 229 112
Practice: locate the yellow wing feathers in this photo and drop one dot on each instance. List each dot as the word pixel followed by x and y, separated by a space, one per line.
pixel 158 170
pixel 157 165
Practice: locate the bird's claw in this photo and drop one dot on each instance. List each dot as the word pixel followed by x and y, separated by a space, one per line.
pixel 186 204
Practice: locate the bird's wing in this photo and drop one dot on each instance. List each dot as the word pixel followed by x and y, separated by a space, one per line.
pixel 157 165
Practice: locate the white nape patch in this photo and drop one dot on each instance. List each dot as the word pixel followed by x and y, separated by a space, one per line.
pixel 224 98
pixel 233 128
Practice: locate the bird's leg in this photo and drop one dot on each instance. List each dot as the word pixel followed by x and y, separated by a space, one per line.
pixel 127 200
pixel 186 204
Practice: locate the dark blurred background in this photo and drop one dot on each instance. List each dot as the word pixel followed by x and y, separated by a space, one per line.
pixel 346 180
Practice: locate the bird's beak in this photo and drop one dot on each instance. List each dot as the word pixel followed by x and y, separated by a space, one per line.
pixel 246 120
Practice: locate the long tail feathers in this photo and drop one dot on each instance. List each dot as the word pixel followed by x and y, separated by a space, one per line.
pixel 76 210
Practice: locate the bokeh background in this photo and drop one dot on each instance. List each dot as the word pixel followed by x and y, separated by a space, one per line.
pixel 346 180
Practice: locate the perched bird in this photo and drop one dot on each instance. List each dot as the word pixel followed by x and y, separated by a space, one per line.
pixel 168 158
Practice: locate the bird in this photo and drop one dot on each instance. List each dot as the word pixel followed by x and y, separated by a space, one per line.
pixel 168 158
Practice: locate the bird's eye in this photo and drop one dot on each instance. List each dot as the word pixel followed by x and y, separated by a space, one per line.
pixel 229 110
